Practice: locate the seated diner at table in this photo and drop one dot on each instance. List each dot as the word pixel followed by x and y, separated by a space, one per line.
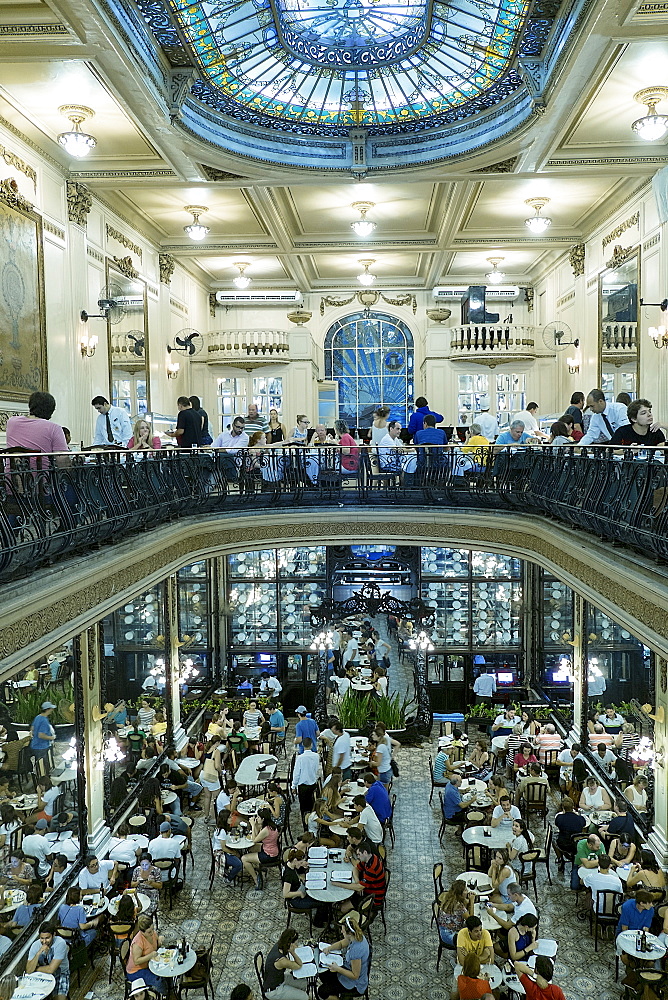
pixel 636 914
pixel 50 955
pixel 293 887
pixel 535 776
pixel 470 984
pixel 71 914
pixel 473 939
pixel 479 758
pixel 282 959
pixel 594 797
pixel 351 977
pixel 637 793
pixel 501 875
pixel 454 906
pixel 505 813
pixel 537 982
pixel 143 949
pixel 370 880
pixel 520 842
pixel 524 757
pixel 622 850
pixel 454 806
pixel 523 938
pixel 646 873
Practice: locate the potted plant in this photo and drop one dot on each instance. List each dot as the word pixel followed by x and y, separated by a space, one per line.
pixel 482 715
pixel 393 710
pixel 354 712
pixel 28 704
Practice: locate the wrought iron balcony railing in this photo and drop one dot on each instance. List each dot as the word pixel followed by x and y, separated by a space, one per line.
pixel 55 505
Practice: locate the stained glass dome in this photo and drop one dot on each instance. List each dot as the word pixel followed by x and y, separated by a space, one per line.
pixel 351 62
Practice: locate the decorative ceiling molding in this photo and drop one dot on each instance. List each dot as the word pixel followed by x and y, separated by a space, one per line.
pixel 606 161
pixel 33 145
pixel 633 220
pixel 30 30
pixel 125 241
pixel 129 174
pixel 12 160
pixel 79 203
pixel 214 174
pixel 502 167
pixel 167 264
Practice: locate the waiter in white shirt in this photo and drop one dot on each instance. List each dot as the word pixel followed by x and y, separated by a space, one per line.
pixel 528 418
pixel 307 771
pixel 270 685
pixel 606 418
pixel 488 423
pixel 113 426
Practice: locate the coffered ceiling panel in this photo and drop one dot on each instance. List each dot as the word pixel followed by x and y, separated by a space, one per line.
pixel 38 88
pixel 230 215
pixel 261 269
pixel 344 267
pixel 503 204
pixel 609 115
pixel 515 262
pixel 398 209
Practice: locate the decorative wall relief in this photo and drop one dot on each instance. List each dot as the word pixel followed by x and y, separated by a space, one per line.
pixel 79 202
pixel 634 220
pixel 123 240
pixel 167 265
pixel 22 317
pixel 576 255
pixel 126 266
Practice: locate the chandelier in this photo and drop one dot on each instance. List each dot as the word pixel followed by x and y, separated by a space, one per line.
pixel 495 277
pixel 76 142
pixel 366 277
pixel 538 223
pixel 196 231
pixel 363 227
pixel 651 126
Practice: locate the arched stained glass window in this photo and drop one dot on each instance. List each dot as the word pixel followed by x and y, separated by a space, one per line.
pixel 371 359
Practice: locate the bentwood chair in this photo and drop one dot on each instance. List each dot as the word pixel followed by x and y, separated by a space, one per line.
pixel 199 977
pixel 258 962
pixel 604 912
pixel 535 800
pixel 437 876
pixel 441 944
pixel 544 856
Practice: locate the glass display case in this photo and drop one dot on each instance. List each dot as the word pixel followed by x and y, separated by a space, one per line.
pixel 194 615
pixel 506 394
pixel 620 667
pixel 133 640
pixel 557 635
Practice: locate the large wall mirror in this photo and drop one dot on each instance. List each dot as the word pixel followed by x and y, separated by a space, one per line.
pixel 127 336
pixel 618 288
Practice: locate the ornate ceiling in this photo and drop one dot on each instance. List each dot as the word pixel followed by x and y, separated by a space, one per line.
pixel 326 68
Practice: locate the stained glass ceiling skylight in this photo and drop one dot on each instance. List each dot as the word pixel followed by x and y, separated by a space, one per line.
pixel 338 64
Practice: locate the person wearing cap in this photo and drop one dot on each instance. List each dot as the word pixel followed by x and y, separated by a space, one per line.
pixel 35 845
pixel 165 846
pixel 486 421
pixel 306 726
pixel 42 733
pixel 98 873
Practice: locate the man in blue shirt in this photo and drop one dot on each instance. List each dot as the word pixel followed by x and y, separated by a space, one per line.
pixel 277 723
pixel 431 435
pixel 454 806
pixel 306 726
pixel 514 435
pixel 416 422
pixel 42 732
pixel 377 797
pixel 637 913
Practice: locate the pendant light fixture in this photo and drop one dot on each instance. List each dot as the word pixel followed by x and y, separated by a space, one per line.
pixel 196 231
pixel 75 142
pixel 366 277
pixel 363 227
pixel 538 223
pixel 651 126
pixel 241 280
pixel 495 277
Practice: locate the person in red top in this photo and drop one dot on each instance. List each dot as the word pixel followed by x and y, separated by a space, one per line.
pixel 524 757
pixel 349 451
pixel 540 987
pixel 370 876
pixel 469 984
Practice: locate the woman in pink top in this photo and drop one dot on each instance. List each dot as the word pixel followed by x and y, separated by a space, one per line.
pixel 349 453
pixel 265 837
pixel 36 432
pixel 141 439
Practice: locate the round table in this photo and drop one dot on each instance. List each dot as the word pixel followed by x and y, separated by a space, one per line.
pixel 496 836
pixel 34 986
pixel 168 967
pixel 360 686
pixel 189 762
pixel 143 900
pixel 623 871
pixel 333 893
pixel 13 898
pixel 168 797
pixel 483 884
pixel 491 973
pixel 238 843
pixel 488 921
pixel 499 743
pixel 139 839
pixel 250 807
pixel 472 783
pixel 24 803
pixel 96 907
pixel 626 942
pixel 599 817
pixel 341 831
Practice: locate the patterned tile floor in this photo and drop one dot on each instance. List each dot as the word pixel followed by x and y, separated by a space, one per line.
pixel 405 959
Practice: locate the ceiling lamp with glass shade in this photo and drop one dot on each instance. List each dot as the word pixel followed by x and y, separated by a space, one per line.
pixel 196 231
pixel 651 126
pixel 242 280
pixel 538 223
pixel 495 277
pixel 75 142
pixel 366 277
pixel 363 227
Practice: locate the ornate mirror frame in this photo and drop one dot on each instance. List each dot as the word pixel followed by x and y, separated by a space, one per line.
pixel 619 315
pixel 127 337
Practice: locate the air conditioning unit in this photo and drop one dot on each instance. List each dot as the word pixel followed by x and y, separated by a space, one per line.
pixel 259 298
pixel 493 293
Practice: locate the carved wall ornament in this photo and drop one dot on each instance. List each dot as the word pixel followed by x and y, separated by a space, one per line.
pixel 10 195
pixel 167 265
pixel 79 202
pixel 663 677
pixel 634 220
pixel 212 304
pixel 214 174
pixel 528 297
pixel 576 256
pixel 12 160
pixel 368 297
pixel 502 167
pixel 620 255
pixel 126 266
pixel 123 240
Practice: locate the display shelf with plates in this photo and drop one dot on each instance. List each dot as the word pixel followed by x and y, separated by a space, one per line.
pixel 194 607
pixel 302 561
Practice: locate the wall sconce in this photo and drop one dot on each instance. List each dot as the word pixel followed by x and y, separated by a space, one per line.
pixel 173 369
pixel 87 345
pixel 573 366
pixel 659 335
pixel 660 757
